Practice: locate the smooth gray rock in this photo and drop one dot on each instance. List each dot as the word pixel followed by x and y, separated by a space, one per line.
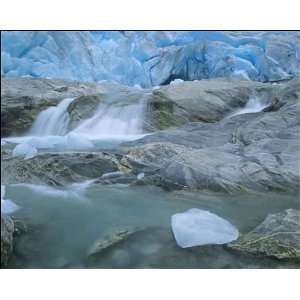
pixel 255 151
pixel 56 168
pixel 172 105
pixel 7 230
pixel 23 98
pixel 277 236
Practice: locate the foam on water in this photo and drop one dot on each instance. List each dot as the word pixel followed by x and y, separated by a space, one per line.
pixel 114 122
pixel 75 191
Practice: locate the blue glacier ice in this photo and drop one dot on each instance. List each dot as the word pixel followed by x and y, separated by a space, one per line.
pixel 150 58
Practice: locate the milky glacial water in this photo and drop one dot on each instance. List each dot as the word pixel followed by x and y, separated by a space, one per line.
pixel 64 223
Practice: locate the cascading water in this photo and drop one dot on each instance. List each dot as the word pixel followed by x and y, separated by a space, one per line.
pixel 114 122
pixel 52 121
pixel 255 104
pixel 110 125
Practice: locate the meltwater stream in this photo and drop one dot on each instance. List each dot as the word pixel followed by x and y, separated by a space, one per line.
pixel 254 104
pixel 108 127
pixel 109 121
pixel 52 121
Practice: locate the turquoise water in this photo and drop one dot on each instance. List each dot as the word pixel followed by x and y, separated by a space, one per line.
pixel 64 223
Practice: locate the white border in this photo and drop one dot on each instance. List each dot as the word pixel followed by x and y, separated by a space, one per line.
pixel 150 14
pixel 150 284
pixel 155 15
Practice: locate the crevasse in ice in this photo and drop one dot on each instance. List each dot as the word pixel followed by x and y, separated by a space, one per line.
pixel 150 58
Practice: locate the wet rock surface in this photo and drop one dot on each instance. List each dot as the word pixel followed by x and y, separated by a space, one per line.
pixel 256 151
pixel 23 98
pixel 155 247
pixel 277 236
pixel 56 168
pixel 7 230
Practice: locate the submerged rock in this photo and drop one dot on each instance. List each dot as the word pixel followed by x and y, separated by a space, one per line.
pixel 277 236
pixel 155 247
pixel 109 241
pixel 7 230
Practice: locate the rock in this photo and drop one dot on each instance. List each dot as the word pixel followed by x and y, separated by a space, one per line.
pixel 108 241
pixel 23 98
pixel 56 168
pixel 204 100
pixel 155 247
pixel 7 230
pixel 173 105
pixel 167 106
pixel 255 151
pixel 277 236
pixel 84 107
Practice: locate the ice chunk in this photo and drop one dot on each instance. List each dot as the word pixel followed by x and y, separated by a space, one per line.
pixel 176 81
pixel 71 141
pixel 140 176
pixel 77 142
pixel 24 150
pixel 7 206
pixel 197 227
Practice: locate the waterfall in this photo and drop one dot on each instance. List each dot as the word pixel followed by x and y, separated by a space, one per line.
pixel 110 121
pixel 114 121
pixel 252 106
pixel 52 121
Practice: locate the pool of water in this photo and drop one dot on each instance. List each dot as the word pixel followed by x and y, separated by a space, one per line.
pixel 64 223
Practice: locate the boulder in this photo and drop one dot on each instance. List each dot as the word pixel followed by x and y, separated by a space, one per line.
pixel 253 151
pixel 56 168
pixel 277 236
pixel 7 230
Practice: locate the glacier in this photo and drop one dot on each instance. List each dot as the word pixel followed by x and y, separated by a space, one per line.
pixel 150 58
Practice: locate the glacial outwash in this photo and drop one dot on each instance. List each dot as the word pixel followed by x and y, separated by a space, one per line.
pixel 150 149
